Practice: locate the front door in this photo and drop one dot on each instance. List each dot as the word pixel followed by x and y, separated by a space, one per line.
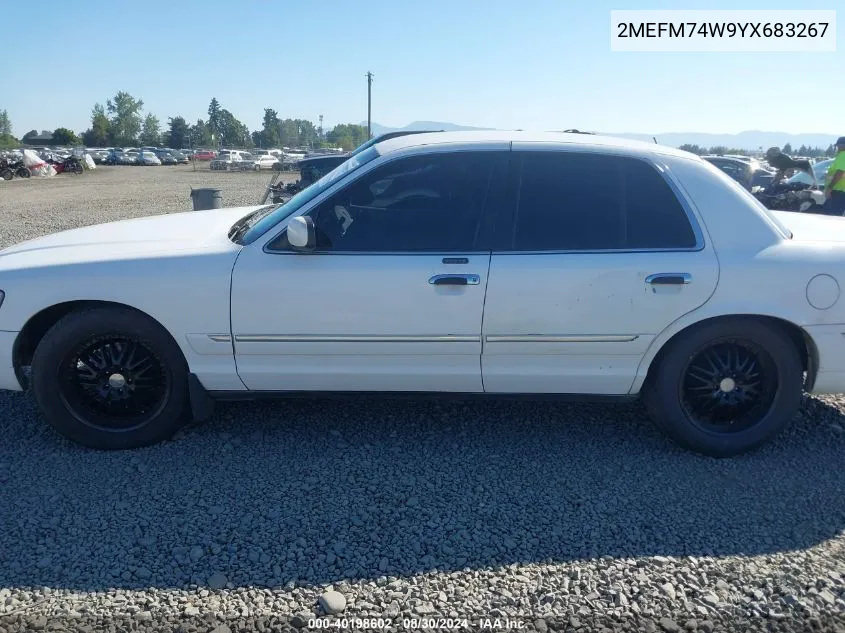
pixel 391 299
pixel 599 256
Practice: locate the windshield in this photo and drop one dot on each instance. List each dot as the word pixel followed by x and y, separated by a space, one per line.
pixel 254 225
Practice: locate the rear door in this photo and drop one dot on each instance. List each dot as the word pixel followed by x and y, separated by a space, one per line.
pixel 597 255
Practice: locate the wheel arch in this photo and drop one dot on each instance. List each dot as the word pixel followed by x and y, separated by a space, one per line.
pixel 40 323
pixel 803 342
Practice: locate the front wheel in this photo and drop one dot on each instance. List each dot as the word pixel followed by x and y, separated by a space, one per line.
pixel 110 378
pixel 6 174
pixel 23 172
pixel 726 387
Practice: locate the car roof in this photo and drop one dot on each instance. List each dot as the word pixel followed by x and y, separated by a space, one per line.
pixel 564 139
pixel 729 159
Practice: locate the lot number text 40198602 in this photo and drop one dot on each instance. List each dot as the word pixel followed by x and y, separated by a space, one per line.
pixel 421 623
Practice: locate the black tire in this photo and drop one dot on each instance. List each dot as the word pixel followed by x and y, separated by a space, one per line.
pixel 71 393
pixel 6 174
pixel 23 172
pixel 702 412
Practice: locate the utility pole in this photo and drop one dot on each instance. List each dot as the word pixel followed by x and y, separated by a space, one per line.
pixel 369 105
pixel 320 131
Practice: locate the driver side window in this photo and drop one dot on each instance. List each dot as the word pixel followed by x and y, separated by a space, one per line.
pixel 433 202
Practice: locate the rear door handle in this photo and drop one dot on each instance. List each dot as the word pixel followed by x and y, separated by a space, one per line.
pixel 455 280
pixel 668 279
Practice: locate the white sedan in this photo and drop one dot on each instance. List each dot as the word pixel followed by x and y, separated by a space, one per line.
pixel 464 263
pixel 259 162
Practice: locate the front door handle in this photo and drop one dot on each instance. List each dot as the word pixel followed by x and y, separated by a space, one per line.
pixel 455 280
pixel 668 279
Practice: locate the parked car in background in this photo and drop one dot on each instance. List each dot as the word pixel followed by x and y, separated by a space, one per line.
pixel 119 157
pixel 228 160
pixel 204 154
pixel 180 157
pixel 259 162
pixel 313 167
pixel 746 171
pixel 145 158
pixel 99 156
pixel 819 170
pixel 166 157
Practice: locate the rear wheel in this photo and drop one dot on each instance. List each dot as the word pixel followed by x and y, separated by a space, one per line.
pixel 110 378
pixel 23 172
pixel 726 387
pixel 6 174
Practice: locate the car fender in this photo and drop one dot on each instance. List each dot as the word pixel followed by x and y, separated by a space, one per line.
pixel 795 314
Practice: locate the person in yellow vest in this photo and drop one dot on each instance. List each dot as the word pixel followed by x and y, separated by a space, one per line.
pixel 834 188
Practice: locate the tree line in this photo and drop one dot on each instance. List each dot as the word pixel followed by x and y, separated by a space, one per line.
pixel 121 122
pixel 804 150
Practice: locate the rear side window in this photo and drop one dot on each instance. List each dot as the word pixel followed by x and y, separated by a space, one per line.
pixel 577 201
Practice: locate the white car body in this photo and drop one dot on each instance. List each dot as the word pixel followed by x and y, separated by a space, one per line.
pixel 228 159
pixel 247 319
pixel 259 162
pixel 819 170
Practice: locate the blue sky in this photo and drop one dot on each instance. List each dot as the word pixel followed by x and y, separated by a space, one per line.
pixel 534 64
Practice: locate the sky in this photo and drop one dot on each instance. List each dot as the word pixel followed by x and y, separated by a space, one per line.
pixel 535 65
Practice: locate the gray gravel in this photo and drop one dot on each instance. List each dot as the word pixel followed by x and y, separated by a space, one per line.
pixel 568 517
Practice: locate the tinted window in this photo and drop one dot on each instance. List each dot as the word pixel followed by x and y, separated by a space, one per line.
pixel 580 201
pixel 433 202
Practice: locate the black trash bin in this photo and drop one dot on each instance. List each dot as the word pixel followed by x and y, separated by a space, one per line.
pixel 204 199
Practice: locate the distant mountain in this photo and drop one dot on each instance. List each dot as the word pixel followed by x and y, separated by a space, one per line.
pixel 749 140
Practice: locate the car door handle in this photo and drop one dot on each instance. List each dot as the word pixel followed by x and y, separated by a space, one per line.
pixel 668 279
pixel 455 280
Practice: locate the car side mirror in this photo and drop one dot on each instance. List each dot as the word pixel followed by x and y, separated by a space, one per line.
pixel 302 235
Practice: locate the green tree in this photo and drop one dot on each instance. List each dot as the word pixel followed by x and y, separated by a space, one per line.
pixel 178 136
pixel 347 135
pixel 125 118
pixel 26 137
pixel 695 149
pixel 270 135
pixel 214 121
pixel 150 131
pixel 64 136
pixel 99 134
pixel 232 133
pixel 5 124
pixel 7 141
pixel 719 149
pixel 787 149
pixel 200 134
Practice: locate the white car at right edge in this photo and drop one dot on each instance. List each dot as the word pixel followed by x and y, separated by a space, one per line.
pixel 462 263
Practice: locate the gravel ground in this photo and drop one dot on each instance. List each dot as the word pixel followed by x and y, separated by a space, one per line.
pixel 559 517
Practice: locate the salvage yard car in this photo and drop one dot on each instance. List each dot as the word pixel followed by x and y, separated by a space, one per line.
pixel 259 162
pixel 469 263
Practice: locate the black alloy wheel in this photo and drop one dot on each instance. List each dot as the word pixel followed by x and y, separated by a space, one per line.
pixel 113 382
pixel 728 386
